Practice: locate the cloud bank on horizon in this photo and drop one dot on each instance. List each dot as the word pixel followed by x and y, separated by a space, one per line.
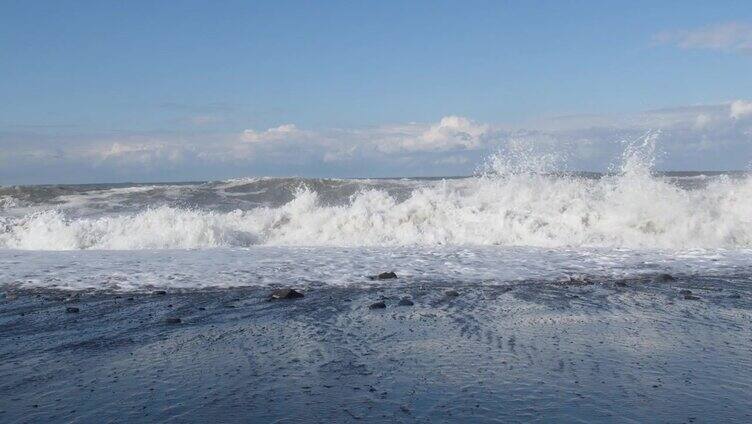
pixel 701 137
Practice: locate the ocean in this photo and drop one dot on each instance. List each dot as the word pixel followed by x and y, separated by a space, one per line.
pixel 536 296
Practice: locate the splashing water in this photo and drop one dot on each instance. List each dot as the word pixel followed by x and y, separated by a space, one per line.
pixel 520 198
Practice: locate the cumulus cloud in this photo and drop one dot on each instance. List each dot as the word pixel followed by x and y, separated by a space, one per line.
pixel 452 132
pixel 730 36
pixel 740 109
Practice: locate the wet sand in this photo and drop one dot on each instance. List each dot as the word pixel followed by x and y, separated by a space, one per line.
pixel 580 351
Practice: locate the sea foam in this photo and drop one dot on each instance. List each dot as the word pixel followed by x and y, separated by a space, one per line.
pixel 510 203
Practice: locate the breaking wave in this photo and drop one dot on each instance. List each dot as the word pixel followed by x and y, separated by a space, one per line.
pixel 510 203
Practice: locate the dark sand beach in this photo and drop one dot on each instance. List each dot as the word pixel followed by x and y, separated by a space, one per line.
pixel 651 349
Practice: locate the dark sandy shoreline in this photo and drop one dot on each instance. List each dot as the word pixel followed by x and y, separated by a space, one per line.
pixel 624 351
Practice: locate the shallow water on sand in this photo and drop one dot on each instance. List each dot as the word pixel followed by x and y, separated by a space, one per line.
pixel 628 350
pixel 145 270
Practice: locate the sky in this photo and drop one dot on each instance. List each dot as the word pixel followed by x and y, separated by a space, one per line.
pixel 113 91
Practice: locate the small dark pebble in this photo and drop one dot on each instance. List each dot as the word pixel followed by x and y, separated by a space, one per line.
pixel 621 284
pixel 736 296
pixel 159 292
pixel 173 320
pixel 201 308
pixel 383 276
pixel 451 293
pixel 666 277
pixel 405 302
pixel 285 294
pixel 130 298
pixel 72 310
pixel 691 297
pixel 685 292
pixel 378 305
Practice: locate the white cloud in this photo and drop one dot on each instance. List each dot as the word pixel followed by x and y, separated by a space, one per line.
pixel 450 133
pixel 740 109
pixel 730 36
pixel 144 152
pixel 716 136
pixel 280 133
pixel 121 149
pixel 702 121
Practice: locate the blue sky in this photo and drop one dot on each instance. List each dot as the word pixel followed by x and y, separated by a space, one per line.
pixel 127 91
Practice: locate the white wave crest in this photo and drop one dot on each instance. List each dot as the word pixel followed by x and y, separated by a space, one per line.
pixel 8 202
pixel 508 205
pixel 631 210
